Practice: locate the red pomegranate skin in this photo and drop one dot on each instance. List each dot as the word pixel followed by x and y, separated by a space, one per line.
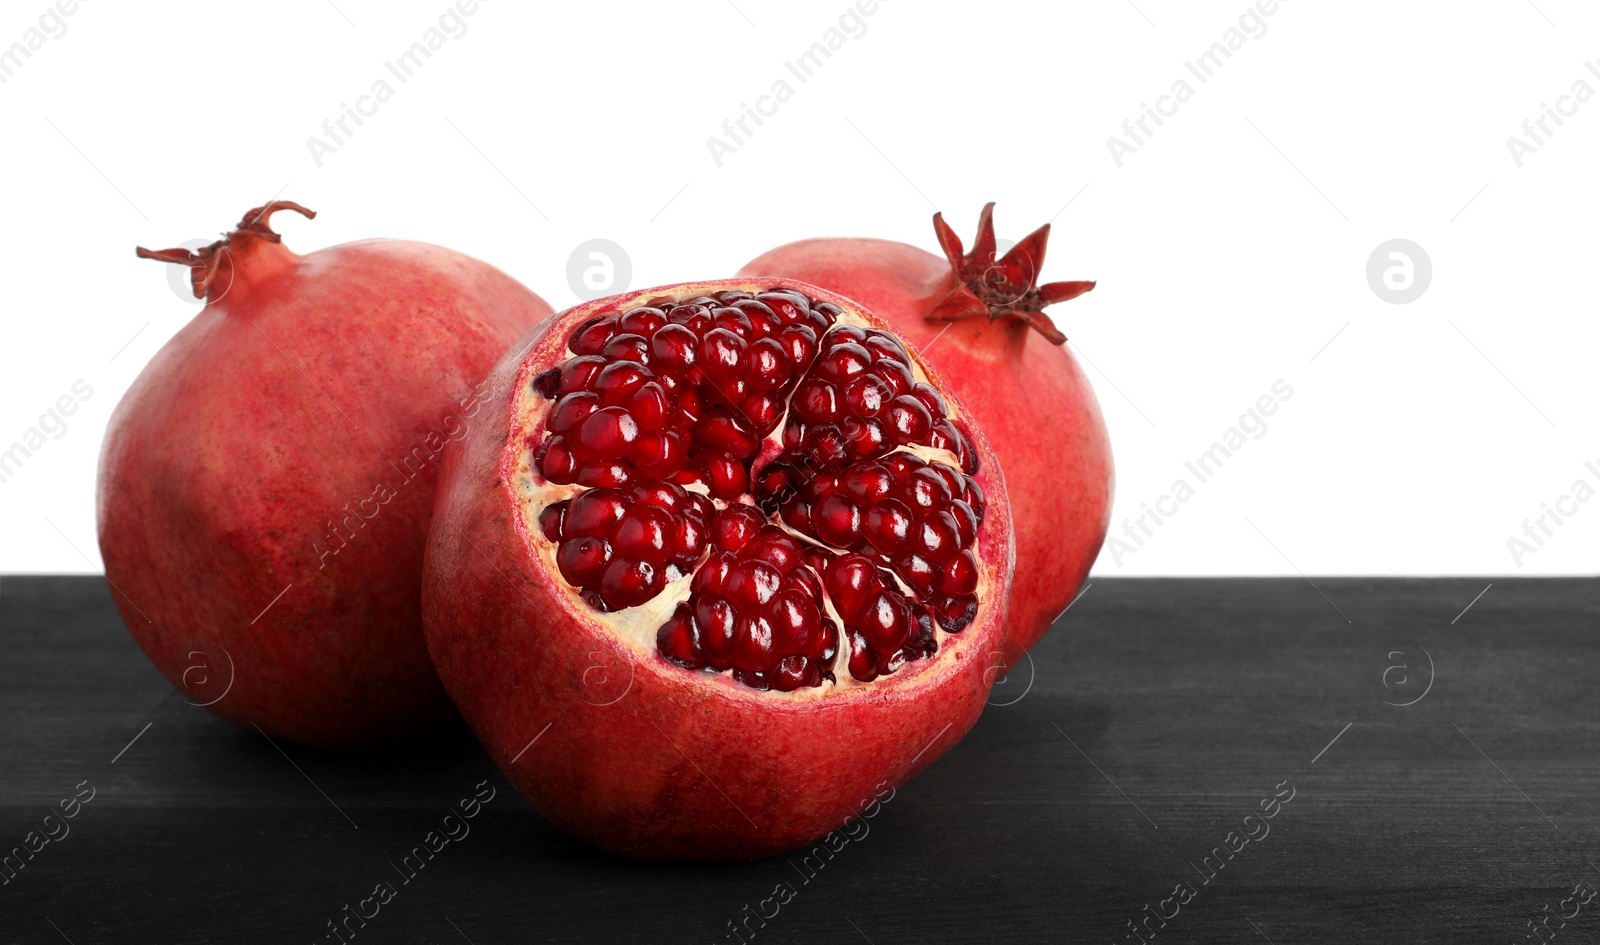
pixel 306 391
pixel 623 749
pixel 1030 398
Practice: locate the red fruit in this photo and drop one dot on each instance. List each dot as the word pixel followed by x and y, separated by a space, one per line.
pixel 266 483
pixel 972 316
pixel 739 693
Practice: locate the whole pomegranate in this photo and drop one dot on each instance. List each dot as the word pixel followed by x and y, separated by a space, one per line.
pixel 972 317
pixel 716 564
pixel 266 483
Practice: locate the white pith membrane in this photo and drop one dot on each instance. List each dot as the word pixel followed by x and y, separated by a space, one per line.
pixel 636 627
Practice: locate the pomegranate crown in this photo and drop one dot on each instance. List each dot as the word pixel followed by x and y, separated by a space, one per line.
pixel 1003 288
pixel 203 262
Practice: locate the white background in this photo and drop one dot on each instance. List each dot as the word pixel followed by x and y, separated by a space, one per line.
pixel 1230 248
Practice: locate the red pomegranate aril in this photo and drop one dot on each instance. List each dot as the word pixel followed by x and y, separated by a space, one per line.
pixel 556 462
pixel 610 475
pixel 607 433
pixel 550 519
pixel 716 619
pixel 863 659
pixel 837 521
pixel 769 364
pixel 618 380
pixel 919 573
pixel 728 478
pixel 869 482
pixel 751 584
pixel 572 409
pixel 736 525
pixel 674 348
pixel 753 649
pixel 579 373
pixel 594 512
pixel 796 621
pixel 939 538
pixel 689 536
pixel 851 580
pixel 722 353
pixel 644 321
pixel 591 337
pixel 627 347
pixel 627 583
pixel 866 395
pixel 956 613
pixel 816 401
pixel 799 342
pixel 867 438
pixel 721 430
pixel 959 575
pixel 909 418
pixel 583 560
pixel 792 673
pixel 887 620
pixel 896 375
pixel 679 639
pixel 646 533
pixel 888 526
pixel 776 548
pixel 843 361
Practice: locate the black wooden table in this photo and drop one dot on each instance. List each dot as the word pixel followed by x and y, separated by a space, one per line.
pixel 1133 764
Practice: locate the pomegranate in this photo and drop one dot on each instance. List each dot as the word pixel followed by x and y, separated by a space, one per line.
pixel 971 316
pixel 717 563
pixel 266 483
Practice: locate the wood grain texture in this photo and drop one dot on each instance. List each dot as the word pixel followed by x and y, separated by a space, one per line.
pixel 1153 719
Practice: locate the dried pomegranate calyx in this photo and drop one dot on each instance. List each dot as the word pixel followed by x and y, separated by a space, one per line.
pixel 755 479
pixel 203 262
pixel 1005 287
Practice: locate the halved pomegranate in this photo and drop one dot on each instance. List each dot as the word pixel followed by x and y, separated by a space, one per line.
pixel 719 562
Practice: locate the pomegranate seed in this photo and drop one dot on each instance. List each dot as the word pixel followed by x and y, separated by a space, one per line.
pixel 594 513
pixel 736 525
pixel 866 395
pixel 572 409
pixel 627 347
pixel 643 321
pixel 863 659
pixel 646 533
pixel 752 583
pixel 592 335
pixel 556 462
pixel 550 520
pixel 722 353
pixel 753 645
pixel 583 560
pixel 579 372
pixel 679 639
pixel 960 574
pixel 837 521
pixel 888 526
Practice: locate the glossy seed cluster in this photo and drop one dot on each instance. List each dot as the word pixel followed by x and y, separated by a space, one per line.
pixel 756 607
pixel 622 546
pixel 683 391
pixel 860 401
pixel 662 412
pixel 918 518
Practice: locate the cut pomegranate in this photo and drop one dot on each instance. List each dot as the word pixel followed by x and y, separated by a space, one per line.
pixel 773 511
